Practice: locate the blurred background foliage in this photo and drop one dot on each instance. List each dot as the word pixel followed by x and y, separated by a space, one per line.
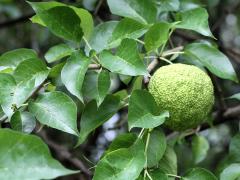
pixel 17 31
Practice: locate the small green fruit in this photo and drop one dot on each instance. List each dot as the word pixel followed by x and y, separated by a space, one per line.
pixel 185 91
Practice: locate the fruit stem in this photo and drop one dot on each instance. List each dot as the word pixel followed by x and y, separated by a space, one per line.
pixel 173 175
pixel 166 60
pixel 89 46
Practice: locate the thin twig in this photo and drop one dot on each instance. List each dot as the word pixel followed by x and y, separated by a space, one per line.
pixel 15 21
pixel 64 154
pixel 98 7
pixel 152 65
pixel 94 66
pixel 176 49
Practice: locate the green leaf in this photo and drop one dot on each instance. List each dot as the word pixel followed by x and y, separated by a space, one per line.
pixel 189 4
pixel 23 121
pixel 127 28
pixel 14 57
pixel 86 21
pixel 89 87
pixel 168 5
pixel 234 147
pixel 212 59
pixel 158 175
pixel 94 117
pixel 103 85
pixel 1 112
pixel 89 4
pixel 157 35
pixel 232 172
pixel 31 69
pixel 126 61
pixel 122 141
pixel 137 83
pixel 43 6
pixel 121 164
pixel 235 96
pixel 58 52
pixel 168 163
pixel 199 174
pixel 101 35
pixel 57 110
pixel 85 17
pixel 13 95
pixel 27 157
pixel 63 22
pixel 73 73
pixel 143 111
pixel 125 78
pixel 143 11
pixel 196 20
pixel 122 94
pixel 200 147
pixel 156 148
pixel 55 71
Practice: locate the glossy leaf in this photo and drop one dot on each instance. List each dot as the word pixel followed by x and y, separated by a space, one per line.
pixel 125 78
pixel 63 22
pixel 143 111
pixel 122 141
pixel 27 157
pixel 13 95
pixel 232 172
pixel 168 163
pixel 127 28
pixel 89 87
pixel 94 117
pixel 194 19
pixel 126 61
pixel 103 85
pixel 85 17
pixel 23 121
pixel 1 112
pixel 157 175
pixel 87 23
pixel 122 164
pixel 31 69
pixel 43 6
pixel 200 147
pixel 199 174
pixel 143 11
pixel 212 59
pixel 58 52
pixel 122 94
pixel 137 83
pixel 14 57
pixel 101 35
pixel 157 35
pixel 156 148
pixel 167 5
pixel 55 71
pixel 235 96
pixel 57 110
pixel 73 73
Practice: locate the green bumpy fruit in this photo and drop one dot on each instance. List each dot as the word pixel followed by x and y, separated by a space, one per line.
pixel 185 91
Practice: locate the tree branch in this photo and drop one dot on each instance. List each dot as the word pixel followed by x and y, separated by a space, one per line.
pixel 229 114
pixel 63 154
pixel 15 21
pixel 94 66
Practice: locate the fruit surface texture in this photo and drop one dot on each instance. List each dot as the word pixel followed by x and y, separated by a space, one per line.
pixel 185 91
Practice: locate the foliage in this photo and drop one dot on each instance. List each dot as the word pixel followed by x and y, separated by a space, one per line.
pixel 97 71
